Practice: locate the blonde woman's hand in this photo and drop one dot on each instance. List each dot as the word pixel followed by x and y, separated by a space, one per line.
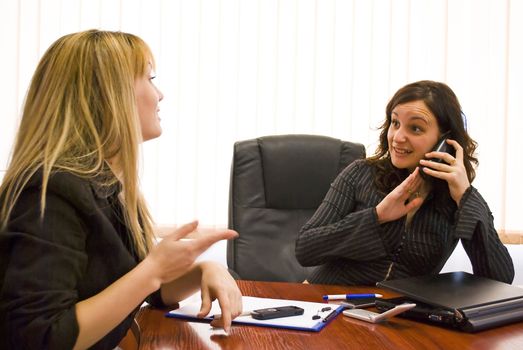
pixel 395 205
pixel 453 170
pixel 217 283
pixel 173 256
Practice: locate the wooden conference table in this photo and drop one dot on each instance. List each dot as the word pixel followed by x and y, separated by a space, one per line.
pixel 160 332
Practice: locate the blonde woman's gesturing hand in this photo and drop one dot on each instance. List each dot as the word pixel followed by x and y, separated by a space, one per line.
pixel 173 257
pixel 218 284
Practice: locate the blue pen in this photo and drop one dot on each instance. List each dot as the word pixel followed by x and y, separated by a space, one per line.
pixel 350 296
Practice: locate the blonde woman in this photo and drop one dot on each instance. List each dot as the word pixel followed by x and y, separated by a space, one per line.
pixel 76 242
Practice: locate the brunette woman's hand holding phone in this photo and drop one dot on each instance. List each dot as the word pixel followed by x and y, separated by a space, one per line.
pixel 451 170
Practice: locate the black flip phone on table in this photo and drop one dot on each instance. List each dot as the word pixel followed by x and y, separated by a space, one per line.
pixel 276 312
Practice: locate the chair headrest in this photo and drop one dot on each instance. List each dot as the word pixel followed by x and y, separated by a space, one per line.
pixel 298 169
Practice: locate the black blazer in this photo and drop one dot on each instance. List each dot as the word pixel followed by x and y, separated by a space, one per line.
pixel 46 266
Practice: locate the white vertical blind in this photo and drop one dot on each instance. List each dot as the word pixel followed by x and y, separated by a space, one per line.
pixel 238 69
pixel 510 152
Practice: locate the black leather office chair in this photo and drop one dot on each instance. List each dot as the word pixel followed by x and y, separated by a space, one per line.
pixel 277 183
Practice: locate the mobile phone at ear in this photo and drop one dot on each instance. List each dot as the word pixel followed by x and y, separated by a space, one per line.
pixel 374 317
pixel 276 312
pixel 441 146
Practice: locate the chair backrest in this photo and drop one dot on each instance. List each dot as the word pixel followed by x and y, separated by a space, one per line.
pixel 277 183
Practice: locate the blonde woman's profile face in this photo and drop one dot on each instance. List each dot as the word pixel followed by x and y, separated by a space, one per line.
pixel 148 97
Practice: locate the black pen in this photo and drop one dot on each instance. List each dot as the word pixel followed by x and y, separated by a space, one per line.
pixel 330 316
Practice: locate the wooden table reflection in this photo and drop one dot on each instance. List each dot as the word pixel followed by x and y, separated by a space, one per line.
pixel 160 332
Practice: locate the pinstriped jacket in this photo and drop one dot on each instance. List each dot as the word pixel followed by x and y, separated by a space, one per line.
pixel 344 239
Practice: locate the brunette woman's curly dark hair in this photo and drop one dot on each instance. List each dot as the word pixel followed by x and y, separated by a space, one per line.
pixel 444 104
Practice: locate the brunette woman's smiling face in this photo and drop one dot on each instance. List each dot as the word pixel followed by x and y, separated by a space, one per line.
pixel 413 131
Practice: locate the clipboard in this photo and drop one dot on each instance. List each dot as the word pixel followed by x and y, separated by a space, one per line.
pixel 305 322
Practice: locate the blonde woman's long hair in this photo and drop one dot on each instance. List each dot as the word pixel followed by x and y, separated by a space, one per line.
pixel 80 111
